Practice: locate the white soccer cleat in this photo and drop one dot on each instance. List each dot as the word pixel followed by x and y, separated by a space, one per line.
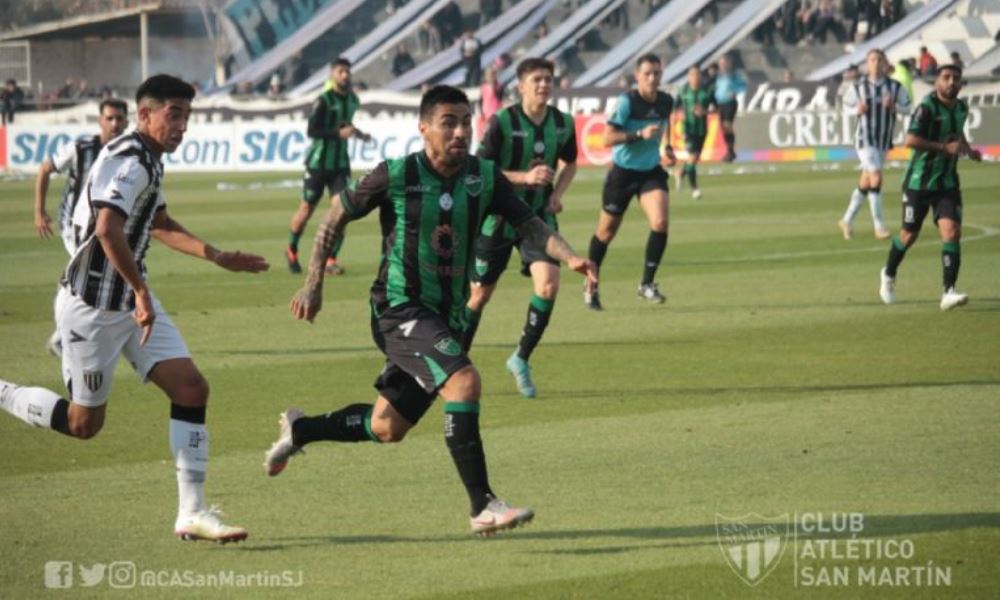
pixel 887 288
pixel 497 516
pixel 881 233
pixel 953 298
pixel 650 292
pixel 696 193
pixel 276 459
pixel 846 230
pixel 207 525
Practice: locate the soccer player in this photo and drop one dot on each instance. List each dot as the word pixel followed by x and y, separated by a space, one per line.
pixel 728 83
pixel 431 206
pixel 105 308
pixel 877 100
pixel 534 145
pixel 328 166
pixel 693 101
pixel 74 159
pixel 931 182
pixel 640 121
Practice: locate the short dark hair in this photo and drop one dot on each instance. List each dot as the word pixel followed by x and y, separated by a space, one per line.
pixel 115 103
pixel 440 94
pixel 649 57
pixel 162 87
pixel 951 67
pixel 340 61
pixel 534 64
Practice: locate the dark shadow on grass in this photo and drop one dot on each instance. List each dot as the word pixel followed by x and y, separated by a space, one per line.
pixel 875 526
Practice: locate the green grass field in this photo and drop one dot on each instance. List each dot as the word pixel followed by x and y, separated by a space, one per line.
pixel 772 383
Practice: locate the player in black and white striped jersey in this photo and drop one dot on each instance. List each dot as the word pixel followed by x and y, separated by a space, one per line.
pixel 105 308
pixel 877 100
pixel 74 159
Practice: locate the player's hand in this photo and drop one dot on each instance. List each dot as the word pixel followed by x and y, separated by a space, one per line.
pixel 863 108
pixel 43 225
pixel 585 267
pixel 699 110
pixel 346 131
pixel 649 132
pixel 555 204
pixel 669 156
pixel 953 147
pixel 144 314
pixel 238 261
pixel 540 175
pixel 973 154
pixel 366 137
pixel 306 303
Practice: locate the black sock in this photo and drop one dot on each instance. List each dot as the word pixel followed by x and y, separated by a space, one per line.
pixel 730 139
pixel 461 432
pixel 897 250
pixel 692 173
pixel 951 260
pixel 539 312
pixel 655 246
pixel 60 417
pixel 188 414
pixel 471 318
pixel 349 424
pixel 337 245
pixel 293 241
pixel 597 251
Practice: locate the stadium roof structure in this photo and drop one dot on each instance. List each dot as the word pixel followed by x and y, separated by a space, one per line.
pixel 115 23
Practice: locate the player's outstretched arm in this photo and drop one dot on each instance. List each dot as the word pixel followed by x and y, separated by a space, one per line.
pixel 43 223
pixel 110 232
pixel 307 302
pixel 173 235
pixel 542 237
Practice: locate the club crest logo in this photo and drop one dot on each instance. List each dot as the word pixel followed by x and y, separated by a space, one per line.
pixel 539 147
pixel 448 346
pixel 481 266
pixel 93 380
pixel 473 185
pixel 751 544
pixel 446 201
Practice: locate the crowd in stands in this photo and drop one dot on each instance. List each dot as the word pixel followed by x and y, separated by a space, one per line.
pixel 807 22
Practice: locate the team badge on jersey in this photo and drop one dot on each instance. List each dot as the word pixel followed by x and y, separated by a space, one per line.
pixel 446 201
pixel 539 147
pixel 448 346
pixel 473 184
pixel 93 380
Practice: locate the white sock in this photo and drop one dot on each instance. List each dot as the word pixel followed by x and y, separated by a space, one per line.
pixel 875 204
pixel 857 199
pixel 33 405
pixel 189 445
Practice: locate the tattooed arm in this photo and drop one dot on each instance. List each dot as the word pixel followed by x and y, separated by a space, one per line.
pixel 308 301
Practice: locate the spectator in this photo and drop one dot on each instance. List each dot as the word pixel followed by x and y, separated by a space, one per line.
pixel 429 37
pixel 68 90
pixel 295 71
pixel 491 93
pixel 472 56
pixel 827 20
pixel 11 99
pixel 402 61
pixel 956 60
pixel 542 31
pixel 449 22
pixel 904 76
pixel 788 76
pixel 82 90
pixel 927 64
pixel 274 88
pixel 850 76
pixel 490 9
pixel 710 74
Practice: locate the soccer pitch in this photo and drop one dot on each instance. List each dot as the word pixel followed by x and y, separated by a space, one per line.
pixel 773 395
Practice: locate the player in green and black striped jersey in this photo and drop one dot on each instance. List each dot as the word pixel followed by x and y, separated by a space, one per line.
pixel 328 165
pixel 431 206
pixel 937 137
pixel 693 102
pixel 535 146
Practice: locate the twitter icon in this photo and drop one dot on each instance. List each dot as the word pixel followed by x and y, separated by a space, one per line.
pixel 92 576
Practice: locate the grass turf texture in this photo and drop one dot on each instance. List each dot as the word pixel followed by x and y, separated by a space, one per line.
pixel 772 382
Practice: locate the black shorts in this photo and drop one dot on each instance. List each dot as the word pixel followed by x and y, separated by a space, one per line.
pixel 694 144
pixel 727 111
pixel 421 354
pixel 493 253
pixel 315 181
pixel 621 185
pixel 946 204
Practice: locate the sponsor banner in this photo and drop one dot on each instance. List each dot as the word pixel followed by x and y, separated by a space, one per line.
pixel 259 25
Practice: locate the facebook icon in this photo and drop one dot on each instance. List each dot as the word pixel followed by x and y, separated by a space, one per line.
pixel 58 574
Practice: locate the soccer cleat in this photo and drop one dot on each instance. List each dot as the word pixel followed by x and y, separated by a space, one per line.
pixel 650 292
pixel 276 459
pixel 696 194
pixel 54 345
pixel 887 289
pixel 845 229
pixel 591 297
pixel 293 261
pixel 730 156
pixel 207 525
pixel 952 298
pixel 881 233
pixel 521 371
pixel 333 267
pixel 497 516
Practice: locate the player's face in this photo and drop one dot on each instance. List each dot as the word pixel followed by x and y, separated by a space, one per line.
pixel 166 122
pixel 341 77
pixel 536 87
pixel 112 122
pixel 647 77
pixel 948 84
pixel 694 78
pixel 875 65
pixel 448 132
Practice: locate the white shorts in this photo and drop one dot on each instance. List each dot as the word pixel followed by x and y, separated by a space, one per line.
pixel 871 159
pixel 93 340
